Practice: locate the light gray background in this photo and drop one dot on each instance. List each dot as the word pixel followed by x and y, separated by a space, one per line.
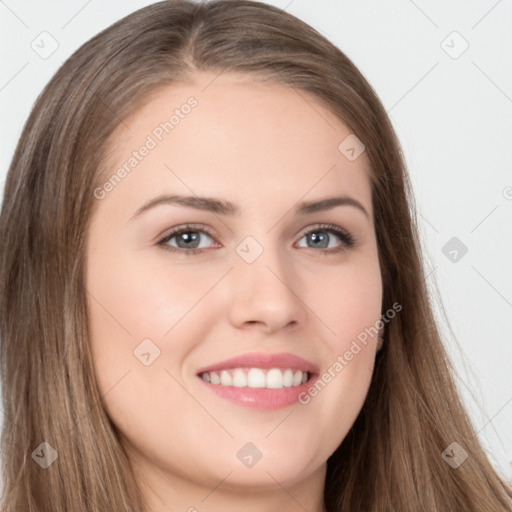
pixel 453 114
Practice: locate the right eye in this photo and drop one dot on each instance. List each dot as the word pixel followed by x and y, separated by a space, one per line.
pixel 186 239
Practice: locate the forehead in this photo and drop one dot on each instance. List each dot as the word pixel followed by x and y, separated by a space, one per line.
pixel 232 135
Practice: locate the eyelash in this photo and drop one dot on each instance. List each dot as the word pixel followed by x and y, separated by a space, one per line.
pixel 348 240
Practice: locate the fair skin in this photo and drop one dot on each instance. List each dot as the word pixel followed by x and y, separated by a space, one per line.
pixel 265 149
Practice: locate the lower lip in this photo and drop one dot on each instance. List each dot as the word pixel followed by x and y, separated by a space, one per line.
pixel 261 398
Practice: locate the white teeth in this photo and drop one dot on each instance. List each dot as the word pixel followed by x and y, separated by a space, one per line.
pixel 225 378
pixel 274 378
pixel 297 378
pixel 288 378
pixel 239 379
pixel 256 378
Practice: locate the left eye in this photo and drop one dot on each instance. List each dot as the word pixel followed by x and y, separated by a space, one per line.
pixel 322 239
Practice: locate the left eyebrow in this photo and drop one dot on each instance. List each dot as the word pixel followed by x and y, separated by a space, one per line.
pixel 306 207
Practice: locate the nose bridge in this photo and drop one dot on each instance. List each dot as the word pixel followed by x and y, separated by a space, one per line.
pixel 259 264
pixel 263 287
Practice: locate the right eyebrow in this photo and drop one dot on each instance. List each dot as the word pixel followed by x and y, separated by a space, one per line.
pixel 200 203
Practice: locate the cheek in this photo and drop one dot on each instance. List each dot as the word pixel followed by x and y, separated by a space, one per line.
pixel 349 304
pixel 137 308
pixel 347 300
pixel 146 300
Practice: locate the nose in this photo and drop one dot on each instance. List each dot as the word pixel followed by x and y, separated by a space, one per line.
pixel 265 294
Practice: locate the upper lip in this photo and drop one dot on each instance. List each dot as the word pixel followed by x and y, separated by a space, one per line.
pixel 263 360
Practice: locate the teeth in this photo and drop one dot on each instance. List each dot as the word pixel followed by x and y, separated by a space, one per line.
pixel 256 378
pixel 288 378
pixel 297 379
pixel 275 378
pixel 239 379
pixel 225 379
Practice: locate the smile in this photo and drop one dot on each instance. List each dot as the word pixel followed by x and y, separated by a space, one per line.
pixel 260 380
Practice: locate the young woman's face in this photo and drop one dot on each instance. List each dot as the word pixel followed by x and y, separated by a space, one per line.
pixel 269 281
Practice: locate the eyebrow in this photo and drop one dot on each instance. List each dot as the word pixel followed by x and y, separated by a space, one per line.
pixel 222 207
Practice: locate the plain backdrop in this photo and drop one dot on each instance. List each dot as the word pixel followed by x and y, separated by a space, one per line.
pixel 443 72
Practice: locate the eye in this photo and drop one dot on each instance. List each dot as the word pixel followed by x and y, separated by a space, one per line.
pixel 324 237
pixel 186 239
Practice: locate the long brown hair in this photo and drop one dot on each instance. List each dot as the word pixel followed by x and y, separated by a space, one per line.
pixel 391 458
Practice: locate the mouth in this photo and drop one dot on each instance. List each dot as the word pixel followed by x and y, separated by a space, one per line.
pixel 264 381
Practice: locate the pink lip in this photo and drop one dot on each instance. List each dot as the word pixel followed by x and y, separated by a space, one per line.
pixel 262 398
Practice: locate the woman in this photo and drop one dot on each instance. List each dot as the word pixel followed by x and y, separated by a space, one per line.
pixel 212 292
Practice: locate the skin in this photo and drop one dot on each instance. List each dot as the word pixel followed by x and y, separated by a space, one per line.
pixel 265 148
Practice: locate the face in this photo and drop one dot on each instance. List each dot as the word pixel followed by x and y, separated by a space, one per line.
pixel 248 278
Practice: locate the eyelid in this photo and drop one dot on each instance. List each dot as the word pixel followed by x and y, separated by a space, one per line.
pixel 186 227
pixel 326 227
